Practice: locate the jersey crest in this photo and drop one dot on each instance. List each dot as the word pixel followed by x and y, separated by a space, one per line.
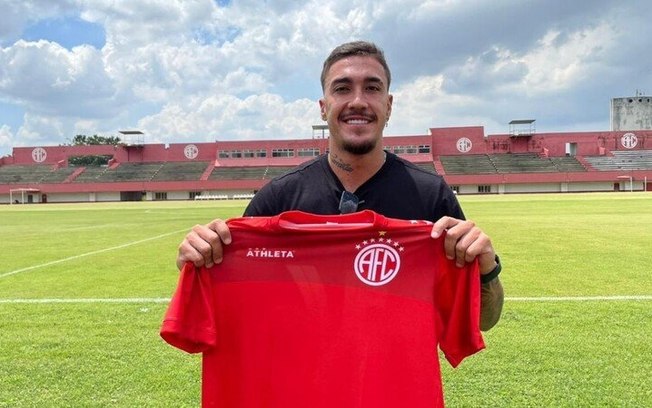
pixel 378 260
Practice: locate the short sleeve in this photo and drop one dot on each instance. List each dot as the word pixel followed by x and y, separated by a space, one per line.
pixel 189 322
pixel 457 300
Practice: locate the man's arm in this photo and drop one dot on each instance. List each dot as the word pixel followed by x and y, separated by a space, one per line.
pixel 491 303
pixel 465 242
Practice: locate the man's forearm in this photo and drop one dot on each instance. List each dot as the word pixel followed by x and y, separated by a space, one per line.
pixel 491 304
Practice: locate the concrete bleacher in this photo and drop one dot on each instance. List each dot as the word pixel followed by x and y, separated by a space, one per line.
pixel 123 172
pixel 91 174
pixel 522 163
pixel 428 166
pixel 468 164
pixel 247 173
pixel 57 176
pixel 568 164
pixel 15 173
pixel 180 171
pixel 509 163
pixel 131 172
pixel 622 160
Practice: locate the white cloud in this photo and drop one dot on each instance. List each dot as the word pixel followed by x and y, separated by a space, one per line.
pixel 47 78
pixel 194 70
pixel 6 139
pixel 224 117
pixel 39 130
pixel 560 63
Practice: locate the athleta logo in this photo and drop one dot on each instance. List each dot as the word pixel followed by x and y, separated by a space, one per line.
pixel 269 253
pixel 378 261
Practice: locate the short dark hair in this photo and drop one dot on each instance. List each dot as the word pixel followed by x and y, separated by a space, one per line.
pixel 355 48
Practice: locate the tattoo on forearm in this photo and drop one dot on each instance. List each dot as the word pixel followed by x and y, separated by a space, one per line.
pixel 339 163
pixel 492 299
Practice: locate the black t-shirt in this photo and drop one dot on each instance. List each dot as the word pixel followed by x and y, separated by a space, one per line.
pixel 399 189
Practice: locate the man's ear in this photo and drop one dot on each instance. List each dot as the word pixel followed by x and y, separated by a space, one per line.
pixel 322 109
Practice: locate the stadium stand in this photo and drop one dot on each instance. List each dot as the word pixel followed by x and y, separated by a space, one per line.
pixel 622 160
pixel 428 166
pixel 91 174
pixel 13 174
pixel 123 172
pixel 180 171
pixel 568 164
pixel 131 172
pixel 522 163
pixel 57 176
pixel 247 173
pixel 509 163
pixel 468 164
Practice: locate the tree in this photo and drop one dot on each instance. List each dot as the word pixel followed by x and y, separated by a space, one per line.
pixel 83 140
pixel 92 160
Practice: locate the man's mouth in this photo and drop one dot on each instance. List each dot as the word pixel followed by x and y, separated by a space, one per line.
pixel 357 121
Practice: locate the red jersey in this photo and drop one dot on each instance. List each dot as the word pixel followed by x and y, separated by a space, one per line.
pixel 326 311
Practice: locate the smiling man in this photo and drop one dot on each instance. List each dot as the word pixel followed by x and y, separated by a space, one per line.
pixel 357 174
pixel 336 344
pixel 357 106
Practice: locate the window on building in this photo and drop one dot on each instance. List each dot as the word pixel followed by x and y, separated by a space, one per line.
pixel 162 196
pixel 193 194
pixel 261 153
pixel 223 154
pixel 424 148
pixel 308 152
pixel 282 152
pixel 484 189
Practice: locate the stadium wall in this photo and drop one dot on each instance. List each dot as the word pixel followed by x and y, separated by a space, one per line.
pixel 426 149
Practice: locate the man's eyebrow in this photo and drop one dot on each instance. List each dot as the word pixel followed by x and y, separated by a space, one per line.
pixel 347 80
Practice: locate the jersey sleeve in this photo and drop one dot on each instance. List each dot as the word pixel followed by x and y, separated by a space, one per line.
pixel 458 303
pixel 189 322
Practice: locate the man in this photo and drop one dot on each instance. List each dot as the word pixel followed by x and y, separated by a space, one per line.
pixel 358 174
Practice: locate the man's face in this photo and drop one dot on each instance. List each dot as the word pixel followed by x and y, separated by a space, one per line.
pixel 356 103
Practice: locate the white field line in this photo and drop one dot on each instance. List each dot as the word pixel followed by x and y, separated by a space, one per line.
pixel 70 258
pixel 578 298
pixel 99 300
pixel 166 300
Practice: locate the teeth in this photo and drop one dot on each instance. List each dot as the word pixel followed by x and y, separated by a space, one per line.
pixel 357 122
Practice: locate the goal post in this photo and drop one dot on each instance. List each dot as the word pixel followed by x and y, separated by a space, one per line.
pixel 22 192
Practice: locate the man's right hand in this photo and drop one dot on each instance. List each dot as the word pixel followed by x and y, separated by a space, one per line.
pixel 203 244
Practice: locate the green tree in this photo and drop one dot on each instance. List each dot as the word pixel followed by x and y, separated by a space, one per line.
pixel 92 160
pixel 83 140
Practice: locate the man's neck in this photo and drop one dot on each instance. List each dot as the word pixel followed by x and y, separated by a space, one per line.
pixel 354 170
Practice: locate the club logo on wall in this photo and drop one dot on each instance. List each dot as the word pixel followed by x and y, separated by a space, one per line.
pixel 191 151
pixel 39 155
pixel 464 145
pixel 629 140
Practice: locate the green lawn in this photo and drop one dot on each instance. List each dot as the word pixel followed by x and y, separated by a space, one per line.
pixel 83 289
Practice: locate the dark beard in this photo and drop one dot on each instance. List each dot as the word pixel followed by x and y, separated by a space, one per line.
pixel 359 149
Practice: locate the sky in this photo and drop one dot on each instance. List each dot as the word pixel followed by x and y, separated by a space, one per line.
pixel 202 70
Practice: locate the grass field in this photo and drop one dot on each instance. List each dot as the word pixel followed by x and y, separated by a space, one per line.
pixel 83 289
